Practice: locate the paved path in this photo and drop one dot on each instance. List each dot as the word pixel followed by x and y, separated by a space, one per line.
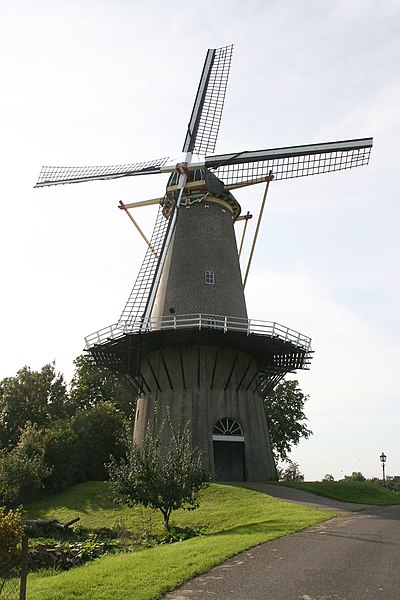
pixel 355 556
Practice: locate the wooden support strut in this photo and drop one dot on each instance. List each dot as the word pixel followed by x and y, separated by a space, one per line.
pixel 268 179
pixel 246 219
pixel 123 207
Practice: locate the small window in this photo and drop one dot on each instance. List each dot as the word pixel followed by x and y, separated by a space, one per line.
pixel 210 277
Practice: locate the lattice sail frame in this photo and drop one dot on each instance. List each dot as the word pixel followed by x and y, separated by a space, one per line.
pixel 61 175
pixel 201 136
pixel 246 168
pixel 134 309
pixel 203 128
pixel 235 170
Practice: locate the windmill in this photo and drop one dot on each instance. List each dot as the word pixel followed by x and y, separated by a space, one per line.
pixel 184 342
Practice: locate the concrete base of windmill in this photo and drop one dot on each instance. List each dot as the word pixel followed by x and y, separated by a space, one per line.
pixel 216 391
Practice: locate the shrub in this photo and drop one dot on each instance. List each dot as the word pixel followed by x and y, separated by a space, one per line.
pixel 11 532
pixel 22 473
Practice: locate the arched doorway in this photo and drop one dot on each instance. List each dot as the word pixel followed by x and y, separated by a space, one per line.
pixel 228 445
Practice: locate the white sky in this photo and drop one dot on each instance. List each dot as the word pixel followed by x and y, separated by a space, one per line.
pixel 112 81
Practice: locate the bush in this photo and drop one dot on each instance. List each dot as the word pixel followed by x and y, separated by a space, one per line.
pixel 22 471
pixel 177 534
pixel 11 532
pixel 100 432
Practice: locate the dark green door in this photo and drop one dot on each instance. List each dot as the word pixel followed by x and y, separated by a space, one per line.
pixel 229 461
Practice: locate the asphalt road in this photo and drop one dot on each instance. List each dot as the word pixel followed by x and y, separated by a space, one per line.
pixel 355 556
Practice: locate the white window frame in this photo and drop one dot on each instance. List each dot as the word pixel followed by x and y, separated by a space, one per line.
pixel 228 429
pixel 209 277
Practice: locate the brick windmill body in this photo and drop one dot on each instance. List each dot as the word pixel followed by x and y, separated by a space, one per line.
pixel 184 342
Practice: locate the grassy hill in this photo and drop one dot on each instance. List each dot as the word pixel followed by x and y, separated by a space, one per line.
pixel 348 491
pixel 233 519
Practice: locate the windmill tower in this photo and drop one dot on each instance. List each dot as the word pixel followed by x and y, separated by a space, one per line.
pixel 184 342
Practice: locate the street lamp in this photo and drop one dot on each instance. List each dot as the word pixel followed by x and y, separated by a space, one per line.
pixel 383 461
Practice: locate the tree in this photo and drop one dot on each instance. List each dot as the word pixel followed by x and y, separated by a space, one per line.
pixel 392 482
pixel 48 441
pixel 285 418
pixel 23 469
pixel 328 477
pixel 91 385
pixel 355 476
pixel 291 473
pixel 99 432
pixel 164 481
pixel 35 396
pixel 69 451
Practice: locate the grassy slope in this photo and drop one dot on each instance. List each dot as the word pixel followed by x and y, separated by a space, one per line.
pixel 348 491
pixel 235 519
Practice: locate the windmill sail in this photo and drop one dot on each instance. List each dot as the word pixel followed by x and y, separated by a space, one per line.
pixel 136 305
pixel 205 120
pixel 201 138
pixel 62 175
pixel 245 168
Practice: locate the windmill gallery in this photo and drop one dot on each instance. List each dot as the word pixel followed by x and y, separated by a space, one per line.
pixel 184 342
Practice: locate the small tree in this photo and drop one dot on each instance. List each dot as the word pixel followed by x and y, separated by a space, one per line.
pixel 393 483
pixel 291 473
pixel 355 476
pixel 328 477
pixel 164 481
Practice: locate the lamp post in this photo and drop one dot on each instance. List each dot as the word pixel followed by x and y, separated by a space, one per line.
pixel 383 461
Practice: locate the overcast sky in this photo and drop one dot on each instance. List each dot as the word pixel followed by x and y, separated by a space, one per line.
pixel 110 82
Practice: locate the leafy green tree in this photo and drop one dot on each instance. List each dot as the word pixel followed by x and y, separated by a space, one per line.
pixel 59 444
pixel 55 446
pixel 291 472
pixel 23 469
pixel 49 440
pixel 328 477
pixel 35 396
pixel 99 433
pixel 91 385
pixel 284 409
pixel 355 476
pixel 393 483
pixel 165 481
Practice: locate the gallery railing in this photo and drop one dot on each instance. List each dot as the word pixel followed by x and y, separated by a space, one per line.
pixel 199 322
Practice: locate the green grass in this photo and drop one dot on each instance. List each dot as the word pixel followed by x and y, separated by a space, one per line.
pixel 348 491
pixel 234 518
